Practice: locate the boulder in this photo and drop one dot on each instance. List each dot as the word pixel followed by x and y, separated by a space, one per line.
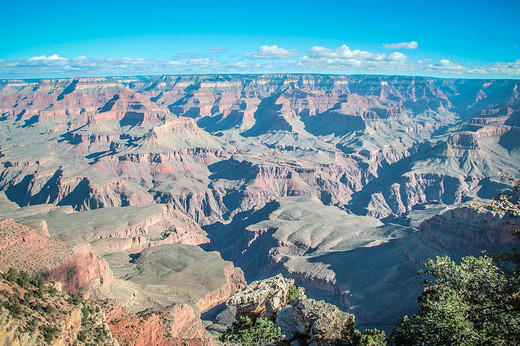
pixel 263 298
pixel 317 322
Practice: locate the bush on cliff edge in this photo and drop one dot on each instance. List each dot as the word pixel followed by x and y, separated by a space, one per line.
pixel 245 331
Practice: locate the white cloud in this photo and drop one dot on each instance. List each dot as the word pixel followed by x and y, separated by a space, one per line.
pixel 273 52
pixel 500 68
pixel 218 50
pixel 343 52
pixel 354 61
pixel 54 57
pixel 211 53
pixel 401 45
pixel 317 60
pixel 447 67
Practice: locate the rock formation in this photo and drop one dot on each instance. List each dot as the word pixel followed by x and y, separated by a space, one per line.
pixel 164 307
pixel 179 325
pixel 263 298
pixel 356 262
pixel 323 178
pixel 312 322
pixel 346 140
pixel 301 319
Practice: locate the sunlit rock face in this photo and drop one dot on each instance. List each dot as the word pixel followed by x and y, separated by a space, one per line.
pixel 213 146
pixel 323 178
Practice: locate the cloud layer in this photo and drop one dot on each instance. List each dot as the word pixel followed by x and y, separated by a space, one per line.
pixel 273 52
pixel 401 45
pixel 267 59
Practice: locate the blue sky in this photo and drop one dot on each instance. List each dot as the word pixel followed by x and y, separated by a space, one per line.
pixel 476 39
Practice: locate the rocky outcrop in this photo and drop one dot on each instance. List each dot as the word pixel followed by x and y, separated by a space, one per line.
pixel 357 262
pixel 112 229
pixel 312 322
pixel 80 269
pixel 159 296
pixel 263 298
pixel 301 319
pixel 234 282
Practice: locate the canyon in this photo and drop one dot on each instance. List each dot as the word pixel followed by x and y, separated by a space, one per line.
pixel 164 195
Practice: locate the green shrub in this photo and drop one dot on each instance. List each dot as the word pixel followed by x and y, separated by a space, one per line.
pixel 50 333
pixel 37 281
pixel 473 303
pixel 52 290
pixel 82 335
pixel 15 307
pixel 293 293
pixel 373 337
pixel 24 279
pixel 350 335
pixel 12 275
pixel 248 332
pixel 39 292
pixel 76 298
pixel 50 309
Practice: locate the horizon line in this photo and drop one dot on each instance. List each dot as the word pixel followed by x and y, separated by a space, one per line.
pixel 259 74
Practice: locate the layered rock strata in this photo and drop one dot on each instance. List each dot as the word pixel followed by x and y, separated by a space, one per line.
pixel 73 265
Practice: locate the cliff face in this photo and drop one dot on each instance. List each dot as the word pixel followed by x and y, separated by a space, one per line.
pixel 165 305
pixel 301 320
pixel 214 146
pixel 314 176
pixel 159 296
pixel 356 262
pixel 177 326
pixel 72 265
pixel 468 228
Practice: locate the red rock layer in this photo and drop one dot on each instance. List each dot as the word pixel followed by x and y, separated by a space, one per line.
pixel 178 325
pixel 74 266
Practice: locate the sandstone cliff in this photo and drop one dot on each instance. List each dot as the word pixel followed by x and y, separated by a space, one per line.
pixel 72 265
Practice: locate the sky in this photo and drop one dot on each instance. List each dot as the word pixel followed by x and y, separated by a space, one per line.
pixel 451 39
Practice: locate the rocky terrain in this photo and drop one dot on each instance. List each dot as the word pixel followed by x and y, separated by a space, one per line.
pixel 33 312
pixel 71 264
pixel 141 191
pixel 152 291
pixel 302 321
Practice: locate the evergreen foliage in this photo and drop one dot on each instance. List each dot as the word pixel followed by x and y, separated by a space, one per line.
pixel 293 293
pixel 40 308
pixel 351 336
pixel 245 332
pixel 476 302
pixel 11 275
pixel 373 337
pixel 473 303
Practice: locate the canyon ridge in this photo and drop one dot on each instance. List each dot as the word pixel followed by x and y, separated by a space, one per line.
pixel 160 197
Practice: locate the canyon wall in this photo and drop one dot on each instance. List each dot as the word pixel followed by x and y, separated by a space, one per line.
pixel 323 178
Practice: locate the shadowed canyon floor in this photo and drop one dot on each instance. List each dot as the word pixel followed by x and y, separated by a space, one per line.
pixel 345 183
